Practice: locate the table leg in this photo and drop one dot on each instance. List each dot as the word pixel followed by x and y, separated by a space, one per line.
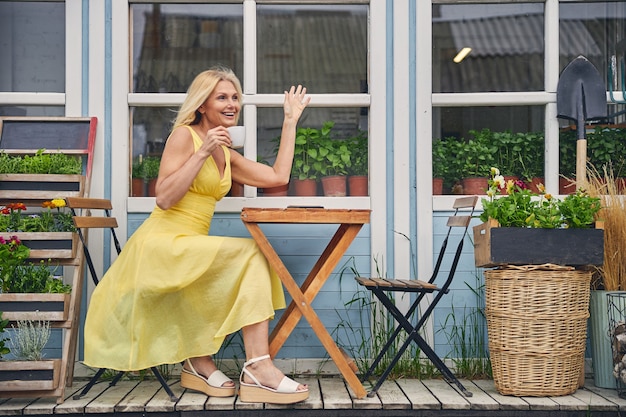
pixel 301 304
pixel 324 266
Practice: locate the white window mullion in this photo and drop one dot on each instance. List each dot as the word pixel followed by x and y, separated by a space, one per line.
pixel 73 58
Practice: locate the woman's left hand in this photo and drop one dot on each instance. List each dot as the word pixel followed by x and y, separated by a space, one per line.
pixel 295 102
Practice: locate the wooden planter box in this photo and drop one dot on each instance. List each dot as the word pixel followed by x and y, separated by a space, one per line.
pixel 39 187
pixel 495 246
pixel 21 306
pixel 47 245
pixel 19 376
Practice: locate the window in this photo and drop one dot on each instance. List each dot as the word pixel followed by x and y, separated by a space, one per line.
pixel 324 47
pixel 32 47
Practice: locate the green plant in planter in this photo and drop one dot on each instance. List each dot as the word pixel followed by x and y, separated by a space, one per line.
pixel 567 153
pixel 607 146
pixel 29 339
pixel 137 168
pixel 333 157
pixel 150 167
pixel 19 276
pixel 509 151
pixel 477 155
pixel 48 220
pixel 532 155
pixel 359 154
pixel 443 158
pixel 306 151
pixel 40 163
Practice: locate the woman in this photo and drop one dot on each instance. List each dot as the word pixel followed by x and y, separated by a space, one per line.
pixel 175 292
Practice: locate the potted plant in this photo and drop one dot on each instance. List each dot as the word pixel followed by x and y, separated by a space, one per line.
pixel 138 183
pixel 610 278
pixel 150 168
pixel 550 227
pixel 29 371
pixel 303 172
pixel 28 289
pixel 359 165
pixel 474 159
pixel 442 164
pixel 333 161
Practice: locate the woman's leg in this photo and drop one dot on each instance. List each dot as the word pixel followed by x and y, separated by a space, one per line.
pixel 256 342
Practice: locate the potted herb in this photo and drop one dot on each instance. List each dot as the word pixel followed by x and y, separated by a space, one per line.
pixel 442 164
pixel 30 371
pixel 150 168
pixel 333 161
pixel 138 183
pixel 303 172
pixel 474 159
pixel 359 165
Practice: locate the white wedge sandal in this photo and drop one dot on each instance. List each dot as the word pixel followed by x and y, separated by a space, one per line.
pixel 211 386
pixel 286 392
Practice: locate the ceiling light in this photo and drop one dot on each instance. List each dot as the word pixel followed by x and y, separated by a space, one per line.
pixel 462 54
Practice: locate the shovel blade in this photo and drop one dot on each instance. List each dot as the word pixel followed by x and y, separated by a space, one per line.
pixel 581 94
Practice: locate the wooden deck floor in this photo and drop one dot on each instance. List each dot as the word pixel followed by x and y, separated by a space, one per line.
pixel 329 397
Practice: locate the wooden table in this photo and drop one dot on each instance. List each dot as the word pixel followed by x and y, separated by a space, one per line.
pixel 350 223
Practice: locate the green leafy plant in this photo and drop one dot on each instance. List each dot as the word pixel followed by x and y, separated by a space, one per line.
pixel 19 276
pixel 29 339
pixel 150 167
pixel 4 350
pixel 306 153
pixel 40 163
pixel 137 168
pixel 359 154
pixel 522 208
pixel 477 155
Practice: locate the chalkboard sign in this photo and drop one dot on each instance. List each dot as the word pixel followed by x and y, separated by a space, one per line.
pixel 68 135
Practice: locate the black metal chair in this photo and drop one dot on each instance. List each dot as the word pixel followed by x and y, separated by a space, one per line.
pixel 84 221
pixel 381 288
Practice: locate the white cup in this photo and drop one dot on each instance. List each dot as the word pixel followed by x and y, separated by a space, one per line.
pixel 237 136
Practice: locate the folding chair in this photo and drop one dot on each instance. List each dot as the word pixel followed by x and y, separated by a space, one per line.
pixel 382 287
pixel 86 221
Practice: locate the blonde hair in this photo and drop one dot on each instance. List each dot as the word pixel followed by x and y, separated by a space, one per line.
pixel 200 89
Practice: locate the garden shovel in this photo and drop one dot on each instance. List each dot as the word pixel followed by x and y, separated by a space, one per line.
pixel 581 96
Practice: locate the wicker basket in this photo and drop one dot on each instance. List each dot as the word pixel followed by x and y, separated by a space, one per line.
pixel 537 328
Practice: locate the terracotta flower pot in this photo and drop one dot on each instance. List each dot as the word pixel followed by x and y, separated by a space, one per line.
pixel 305 188
pixel 357 185
pixel 475 185
pixel 533 184
pixel 137 187
pixel 334 186
pixel 437 186
pixel 567 185
pixel 279 191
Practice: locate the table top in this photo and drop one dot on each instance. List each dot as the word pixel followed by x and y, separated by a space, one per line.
pixel 303 214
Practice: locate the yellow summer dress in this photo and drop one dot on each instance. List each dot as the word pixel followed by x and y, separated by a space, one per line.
pixel 175 292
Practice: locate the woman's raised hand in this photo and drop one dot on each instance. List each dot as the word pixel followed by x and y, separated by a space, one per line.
pixel 295 102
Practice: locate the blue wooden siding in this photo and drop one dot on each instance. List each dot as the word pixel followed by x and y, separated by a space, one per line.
pixel 299 247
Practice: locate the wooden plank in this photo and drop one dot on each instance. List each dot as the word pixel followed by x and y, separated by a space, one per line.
pixel 94 222
pixel 305 215
pixel 14 406
pixel 106 402
pixel 89 203
pixel 459 221
pixel 335 394
pixel 479 400
pixel 570 402
pixel 392 397
pixel 161 402
pixel 594 401
pixel 507 402
pixel 541 403
pixel 220 403
pixel 191 400
pixel 136 400
pixel 419 396
pixel 610 395
pixel 72 406
pixel 447 396
pixel 44 406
